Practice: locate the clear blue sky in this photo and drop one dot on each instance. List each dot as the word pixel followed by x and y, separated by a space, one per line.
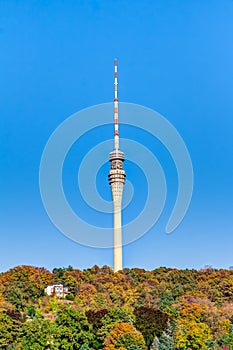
pixel 175 57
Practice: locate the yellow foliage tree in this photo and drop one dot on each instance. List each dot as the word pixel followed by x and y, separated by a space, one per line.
pixel 191 335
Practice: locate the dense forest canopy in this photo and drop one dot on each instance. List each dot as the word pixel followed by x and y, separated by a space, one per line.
pixel 133 309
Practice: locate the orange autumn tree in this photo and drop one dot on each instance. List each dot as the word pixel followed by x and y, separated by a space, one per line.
pixel 123 336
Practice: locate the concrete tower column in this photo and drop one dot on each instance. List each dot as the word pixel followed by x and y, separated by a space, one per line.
pixel 117 189
pixel 117 180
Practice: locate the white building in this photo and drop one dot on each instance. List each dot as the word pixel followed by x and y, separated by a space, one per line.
pixel 56 288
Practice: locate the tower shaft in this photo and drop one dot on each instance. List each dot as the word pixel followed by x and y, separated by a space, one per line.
pixel 117 226
pixel 116 180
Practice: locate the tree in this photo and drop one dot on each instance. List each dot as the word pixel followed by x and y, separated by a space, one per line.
pixel 14 293
pixel 24 285
pixel 87 294
pixel 107 323
pixel 8 331
pixel 84 347
pixel 95 318
pixel 74 329
pixel 226 341
pixel 150 322
pixel 165 304
pixel 116 314
pixel 31 311
pixel 190 334
pixel 58 272
pixel 166 342
pixel 123 336
pixel 39 334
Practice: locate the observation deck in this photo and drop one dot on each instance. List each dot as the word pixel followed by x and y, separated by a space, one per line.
pixel 116 173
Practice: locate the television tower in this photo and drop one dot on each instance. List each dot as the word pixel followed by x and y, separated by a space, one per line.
pixel 116 179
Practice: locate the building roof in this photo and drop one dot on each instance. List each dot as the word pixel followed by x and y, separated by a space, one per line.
pixel 57 284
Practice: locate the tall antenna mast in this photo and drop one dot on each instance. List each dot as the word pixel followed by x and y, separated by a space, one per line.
pixel 116 132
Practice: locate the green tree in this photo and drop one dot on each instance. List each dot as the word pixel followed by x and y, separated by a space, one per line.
pixel 31 311
pixel 135 347
pixel 9 330
pixel 58 272
pixel 14 293
pixel 84 347
pixel 39 334
pixel 74 329
pixel 165 304
pixel 166 342
pixel 226 341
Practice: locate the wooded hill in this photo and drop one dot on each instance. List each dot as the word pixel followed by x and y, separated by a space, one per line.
pixel 132 309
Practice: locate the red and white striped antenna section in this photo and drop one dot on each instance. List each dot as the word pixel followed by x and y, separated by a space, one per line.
pixel 116 133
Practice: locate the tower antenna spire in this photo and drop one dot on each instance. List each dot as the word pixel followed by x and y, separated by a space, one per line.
pixel 116 131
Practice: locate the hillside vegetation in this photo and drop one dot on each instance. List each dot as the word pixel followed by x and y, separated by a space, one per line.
pixel 133 309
